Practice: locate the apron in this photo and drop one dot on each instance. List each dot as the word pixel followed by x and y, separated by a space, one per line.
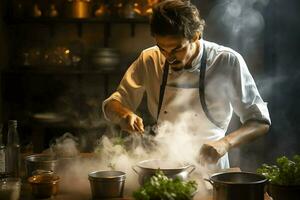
pixel 192 109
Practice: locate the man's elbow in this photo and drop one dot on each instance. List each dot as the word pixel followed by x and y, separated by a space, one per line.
pixel 266 128
pixel 261 127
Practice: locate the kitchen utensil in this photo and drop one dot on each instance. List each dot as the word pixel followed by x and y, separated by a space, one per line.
pixel 172 169
pixel 78 8
pixel 105 58
pixel 237 186
pixel 44 185
pixel 283 192
pixel 57 56
pixel 10 188
pixel 107 184
pixel 130 9
pixel 40 162
pixel 49 117
pixel 41 171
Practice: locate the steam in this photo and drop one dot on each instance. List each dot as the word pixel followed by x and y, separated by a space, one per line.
pixel 240 21
pixel 174 143
pixel 65 146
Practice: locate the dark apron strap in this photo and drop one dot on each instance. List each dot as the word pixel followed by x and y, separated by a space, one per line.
pixel 202 88
pixel 163 86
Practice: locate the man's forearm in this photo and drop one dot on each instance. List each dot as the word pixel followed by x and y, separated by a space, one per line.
pixel 248 132
pixel 114 110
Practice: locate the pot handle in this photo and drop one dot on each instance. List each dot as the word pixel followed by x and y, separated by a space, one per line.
pixel 193 167
pixel 208 180
pixel 134 168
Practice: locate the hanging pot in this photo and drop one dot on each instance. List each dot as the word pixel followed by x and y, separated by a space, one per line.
pixel 105 58
pixel 78 8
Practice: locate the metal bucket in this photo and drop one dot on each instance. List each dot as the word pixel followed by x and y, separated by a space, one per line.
pixel 172 169
pixel 40 162
pixel 107 184
pixel 237 186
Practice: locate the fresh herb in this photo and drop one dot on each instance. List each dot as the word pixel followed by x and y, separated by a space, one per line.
pixel 285 172
pixel 160 187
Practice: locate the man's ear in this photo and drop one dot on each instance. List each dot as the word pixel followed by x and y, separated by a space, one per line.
pixel 196 37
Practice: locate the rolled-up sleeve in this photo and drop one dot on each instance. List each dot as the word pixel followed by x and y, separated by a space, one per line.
pixel 244 96
pixel 131 88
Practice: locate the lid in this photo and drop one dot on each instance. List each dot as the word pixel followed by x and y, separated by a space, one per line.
pixel 162 164
pixel 107 176
pixel 41 158
pixel 239 178
pixel 12 122
pixel 43 179
pixel 10 181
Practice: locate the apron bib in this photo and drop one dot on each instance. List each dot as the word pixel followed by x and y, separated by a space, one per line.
pixel 189 111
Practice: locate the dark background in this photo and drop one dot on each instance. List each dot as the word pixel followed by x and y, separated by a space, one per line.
pixel 270 49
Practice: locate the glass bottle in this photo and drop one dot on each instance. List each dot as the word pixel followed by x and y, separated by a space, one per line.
pixel 13 149
pixel 2 155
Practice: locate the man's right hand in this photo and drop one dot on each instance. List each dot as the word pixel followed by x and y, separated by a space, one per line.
pixel 131 123
pixel 124 117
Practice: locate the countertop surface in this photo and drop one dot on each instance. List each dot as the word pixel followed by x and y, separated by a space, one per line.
pixel 77 188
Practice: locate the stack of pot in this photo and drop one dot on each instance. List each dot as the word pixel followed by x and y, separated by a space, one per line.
pixel 105 59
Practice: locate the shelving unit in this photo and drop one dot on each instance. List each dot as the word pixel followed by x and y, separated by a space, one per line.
pixel 26 88
pixel 79 22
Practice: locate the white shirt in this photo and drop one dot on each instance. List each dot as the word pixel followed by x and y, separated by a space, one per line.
pixel 229 85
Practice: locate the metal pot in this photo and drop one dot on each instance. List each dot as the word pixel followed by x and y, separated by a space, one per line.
pixel 44 185
pixel 237 186
pixel 78 8
pixel 283 192
pixel 40 162
pixel 107 184
pixel 105 58
pixel 147 168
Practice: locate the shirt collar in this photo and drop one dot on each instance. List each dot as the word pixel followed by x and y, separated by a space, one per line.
pixel 196 62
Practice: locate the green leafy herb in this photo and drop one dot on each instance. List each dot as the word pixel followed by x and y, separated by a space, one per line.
pixel 160 187
pixel 285 172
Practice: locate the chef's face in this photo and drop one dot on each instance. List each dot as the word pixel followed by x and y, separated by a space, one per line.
pixel 178 50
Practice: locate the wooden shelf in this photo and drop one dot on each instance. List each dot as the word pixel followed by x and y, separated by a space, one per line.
pixel 47 20
pixel 79 22
pixel 62 70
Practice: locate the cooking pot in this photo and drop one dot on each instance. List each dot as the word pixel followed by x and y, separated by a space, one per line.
pixel 283 192
pixel 78 8
pixel 237 186
pixel 40 162
pixel 105 58
pixel 107 184
pixel 44 185
pixel 172 169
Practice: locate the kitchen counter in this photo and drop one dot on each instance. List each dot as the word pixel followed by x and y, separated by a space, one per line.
pixel 26 195
pixel 62 195
pixel 78 187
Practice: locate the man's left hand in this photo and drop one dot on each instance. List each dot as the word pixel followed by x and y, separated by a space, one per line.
pixel 212 151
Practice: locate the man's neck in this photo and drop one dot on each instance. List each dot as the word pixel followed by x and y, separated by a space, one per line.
pixel 195 54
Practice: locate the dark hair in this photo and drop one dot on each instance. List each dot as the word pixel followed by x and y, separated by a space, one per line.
pixel 176 17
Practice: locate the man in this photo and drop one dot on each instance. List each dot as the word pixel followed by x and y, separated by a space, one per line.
pixel 189 78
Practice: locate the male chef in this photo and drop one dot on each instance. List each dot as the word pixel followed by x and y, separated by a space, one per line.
pixel 185 75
